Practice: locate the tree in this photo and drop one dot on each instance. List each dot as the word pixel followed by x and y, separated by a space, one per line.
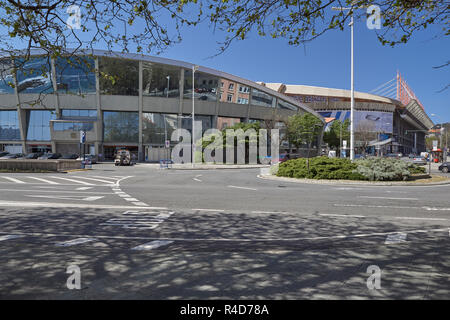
pixel 338 131
pixel 365 133
pixel 303 130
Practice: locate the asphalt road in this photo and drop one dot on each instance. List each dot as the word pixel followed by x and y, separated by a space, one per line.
pixel 144 233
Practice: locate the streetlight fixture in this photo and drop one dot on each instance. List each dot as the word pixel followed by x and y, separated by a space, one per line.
pixel 352 88
pixel 194 68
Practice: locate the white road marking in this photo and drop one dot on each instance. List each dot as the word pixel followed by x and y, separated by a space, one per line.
pixel 139 203
pixel 152 245
pixel 84 188
pixel 391 207
pixel 44 180
pixel 111 178
pixel 268 212
pixel 14 180
pixel 76 181
pixel 55 191
pixel 245 188
pixel 417 218
pixel 197 179
pixel 77 198
pixel 23 204
pixel 99 180
pixel 10 237
pixel 131 199
pixel 388 198
pixel 75 242
pixel 340 215
pixel 395 238
pixel 212 210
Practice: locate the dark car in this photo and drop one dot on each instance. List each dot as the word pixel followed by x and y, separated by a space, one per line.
pixel 12 156
pixel 33 155
pixel 72 156
pixel 444 167
pixel 3 153
pixel 50 156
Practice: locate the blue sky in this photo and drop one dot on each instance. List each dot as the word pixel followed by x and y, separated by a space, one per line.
pixel 326 62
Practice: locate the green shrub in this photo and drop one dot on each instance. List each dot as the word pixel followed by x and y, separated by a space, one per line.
pixel 320 168
pixel 373 169
pixel 383 169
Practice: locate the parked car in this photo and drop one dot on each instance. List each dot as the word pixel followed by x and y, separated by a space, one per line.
pixel 3 153
pixel 392 155
pixel 91 157
pixel 412 155
pixel 72 156
pixel 12 156
pixel 284 157
pixel 444 167
pixel 419 160
pixel 33 155
pixel 50 156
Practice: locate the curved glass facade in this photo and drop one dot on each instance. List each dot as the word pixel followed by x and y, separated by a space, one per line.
pixel 75 75
pixel 9 125
pixel 160 80
pixel 34 76
pixel 6 77
pixel 205 86
pixel 262 99
pixel 158 127
pixel 119 76
pixel 38 124
pixel 120 126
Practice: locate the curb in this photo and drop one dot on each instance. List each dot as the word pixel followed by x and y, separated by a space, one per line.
pixel 350 182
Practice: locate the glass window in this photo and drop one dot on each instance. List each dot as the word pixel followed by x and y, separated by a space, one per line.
pixel 161 80
pixel 73 126
pixel 158 127
pixel 119 76
pixel 77 114
pixel 242 100
pixel 186 122
pixel 75 75
pixel 9 125
pixel 6 77
pixel 39 124
pixel 244 89
pixel 230 98
pixel 286 105
pixel 263 99
pixel 34 76
pixel 120 126
pixel 225 122
pixel 206 86
pixel 231 87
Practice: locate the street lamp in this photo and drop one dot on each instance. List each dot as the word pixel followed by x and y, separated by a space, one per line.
pixel 352 88
pixel 194 68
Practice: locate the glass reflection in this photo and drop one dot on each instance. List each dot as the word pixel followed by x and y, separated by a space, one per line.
pixel 120 126
pixel 286 105
pixel 73 126
pixel 206 86
pixel 39 124
pixel 160 80
pixel 34 76
pixel 9 125
pixel 233 92
pixel 158 127
pixel 263 99
pixel 75 75
pixel 6 77
pixel 119 76
pixel 78 114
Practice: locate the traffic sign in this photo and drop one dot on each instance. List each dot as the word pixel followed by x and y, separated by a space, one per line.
pixel 82 136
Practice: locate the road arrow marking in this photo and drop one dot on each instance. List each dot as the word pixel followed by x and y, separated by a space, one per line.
pixel 152 245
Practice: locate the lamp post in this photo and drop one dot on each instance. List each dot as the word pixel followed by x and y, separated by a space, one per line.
pixel 352 101
pixel 194 68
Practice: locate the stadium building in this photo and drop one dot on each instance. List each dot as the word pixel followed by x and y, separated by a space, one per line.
pixel 394 121
pixel 123 101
